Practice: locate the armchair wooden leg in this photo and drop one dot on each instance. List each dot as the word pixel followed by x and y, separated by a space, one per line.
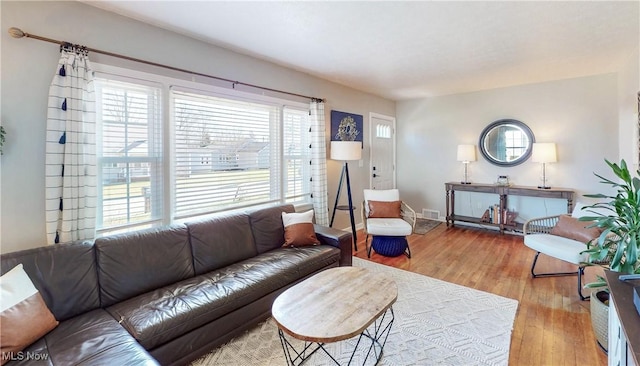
pixel 579 273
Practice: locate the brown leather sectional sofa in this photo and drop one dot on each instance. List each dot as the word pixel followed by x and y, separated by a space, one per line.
pixel 168 295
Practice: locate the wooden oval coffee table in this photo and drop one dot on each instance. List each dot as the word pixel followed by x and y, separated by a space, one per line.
pixel 334 305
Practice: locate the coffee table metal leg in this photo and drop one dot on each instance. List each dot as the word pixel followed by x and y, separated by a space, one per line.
pixel 290 351
pixel 378 337
pixel 380 332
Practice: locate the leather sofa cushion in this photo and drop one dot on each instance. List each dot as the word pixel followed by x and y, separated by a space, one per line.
pixel 267 227
pixel 39 347
pixel 169 312
pixel 93 338
pixel 64 274
pixel 134 263
pixel 220 241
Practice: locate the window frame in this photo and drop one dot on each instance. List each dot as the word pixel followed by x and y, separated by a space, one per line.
pixel 166 196
pixel 155 158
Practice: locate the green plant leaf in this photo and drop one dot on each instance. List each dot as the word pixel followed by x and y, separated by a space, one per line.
pixel 595 284
pixel 620 226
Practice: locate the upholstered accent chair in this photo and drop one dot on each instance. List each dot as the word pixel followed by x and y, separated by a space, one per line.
pixel 562 237
pixel 388 220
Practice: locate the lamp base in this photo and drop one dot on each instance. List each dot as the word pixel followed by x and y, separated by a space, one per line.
pixel 465 182
pixel 544 187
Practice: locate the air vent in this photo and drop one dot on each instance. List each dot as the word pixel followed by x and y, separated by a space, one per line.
pixel 430 214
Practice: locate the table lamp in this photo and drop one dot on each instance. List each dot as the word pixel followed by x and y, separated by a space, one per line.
pixel 544 152
pixel 466 154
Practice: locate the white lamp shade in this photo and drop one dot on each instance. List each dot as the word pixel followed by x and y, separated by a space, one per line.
pixel 544 152
pixel 466 153
pixel 346 150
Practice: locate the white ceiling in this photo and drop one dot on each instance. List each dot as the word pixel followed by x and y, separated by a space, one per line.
pixel 410 49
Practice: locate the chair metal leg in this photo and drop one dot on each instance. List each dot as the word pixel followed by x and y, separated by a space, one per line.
pixel 407 251
pixel 579 273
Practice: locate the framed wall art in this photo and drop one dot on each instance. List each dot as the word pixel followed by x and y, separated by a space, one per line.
pixel 346 126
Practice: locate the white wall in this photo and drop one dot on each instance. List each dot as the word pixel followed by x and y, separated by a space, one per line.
pixel 27 69
pixel 628 88
pixel 580 115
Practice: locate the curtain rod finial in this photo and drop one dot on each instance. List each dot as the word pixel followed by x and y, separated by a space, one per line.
pixel 16 32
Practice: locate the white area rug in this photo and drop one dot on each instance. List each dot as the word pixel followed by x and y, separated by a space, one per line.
pixel 436 323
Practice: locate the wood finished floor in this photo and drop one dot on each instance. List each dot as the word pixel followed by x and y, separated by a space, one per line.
pixel 552 325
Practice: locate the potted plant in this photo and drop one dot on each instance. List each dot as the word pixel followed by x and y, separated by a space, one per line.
pixel 618 217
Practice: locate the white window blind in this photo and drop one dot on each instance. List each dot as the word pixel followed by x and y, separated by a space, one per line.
pixel 225 154
pixel 129 154
pixel 227 149
pixel 296 154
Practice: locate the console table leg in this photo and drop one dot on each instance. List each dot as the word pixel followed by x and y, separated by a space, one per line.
pixel 450 203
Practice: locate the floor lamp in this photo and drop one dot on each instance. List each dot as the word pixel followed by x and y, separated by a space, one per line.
pixel 345 151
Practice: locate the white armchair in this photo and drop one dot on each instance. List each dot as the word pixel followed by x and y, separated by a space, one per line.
pixel 544 235
pixel 390 227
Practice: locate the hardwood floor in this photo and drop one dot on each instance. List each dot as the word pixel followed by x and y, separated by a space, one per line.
pixel 552 325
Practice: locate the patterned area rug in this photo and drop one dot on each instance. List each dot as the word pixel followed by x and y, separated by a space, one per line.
pixel 436 322
pixel 423 226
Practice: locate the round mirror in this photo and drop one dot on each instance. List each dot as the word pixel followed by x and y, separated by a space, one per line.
pixel 506 142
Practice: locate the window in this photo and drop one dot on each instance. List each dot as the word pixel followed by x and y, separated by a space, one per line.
pixel 297 154
pixel 515 144
pixel 129 158
pixel 383 131
pixel 242 140
pixel 228 150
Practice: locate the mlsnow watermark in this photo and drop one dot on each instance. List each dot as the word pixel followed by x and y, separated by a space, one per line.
pixel 24 356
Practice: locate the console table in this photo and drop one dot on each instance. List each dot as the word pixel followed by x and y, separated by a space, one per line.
pixel 503 192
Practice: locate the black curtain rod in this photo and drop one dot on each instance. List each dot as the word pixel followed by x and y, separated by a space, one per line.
pixel 18 33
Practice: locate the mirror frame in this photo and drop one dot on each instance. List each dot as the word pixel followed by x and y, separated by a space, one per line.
pixel 497 123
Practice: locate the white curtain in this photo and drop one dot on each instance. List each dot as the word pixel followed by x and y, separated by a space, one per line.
pixel 319 163
pixel 70 162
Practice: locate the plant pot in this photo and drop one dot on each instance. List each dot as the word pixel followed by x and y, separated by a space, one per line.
pixel 600 317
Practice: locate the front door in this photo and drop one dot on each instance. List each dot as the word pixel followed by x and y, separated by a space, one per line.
pixel 383 152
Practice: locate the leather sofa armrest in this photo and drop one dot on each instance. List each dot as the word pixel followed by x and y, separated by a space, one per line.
pixel 336 238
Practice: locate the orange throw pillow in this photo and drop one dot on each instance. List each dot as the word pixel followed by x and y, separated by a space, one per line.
pixel 23 313
pixel 298 229
pixel 572 228
pixel 385 209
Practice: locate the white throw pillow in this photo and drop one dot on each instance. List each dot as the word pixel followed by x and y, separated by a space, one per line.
pixel 298 229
